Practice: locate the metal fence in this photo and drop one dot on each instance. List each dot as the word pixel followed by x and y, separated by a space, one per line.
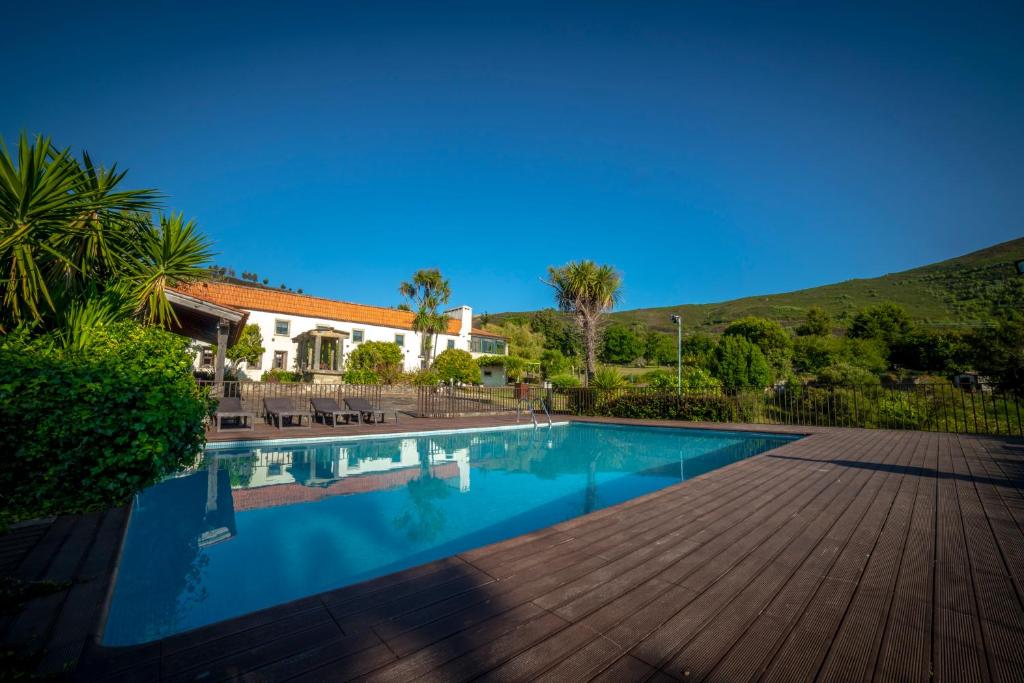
pixel 253 393
pixel 928 407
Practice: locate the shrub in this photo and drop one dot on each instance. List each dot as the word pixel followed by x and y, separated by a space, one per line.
pixel 456 365
pixel 280 376
pixel 424 378
pixel 669 406
pixel 383 359
pixel 694 379
pixel 83 431
pixel 553 362
pixel 844 374
pixel 565 381
pixel 358 376
pixel 608 377
pixel 740 363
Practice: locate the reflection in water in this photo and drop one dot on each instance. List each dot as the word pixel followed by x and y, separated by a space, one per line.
pixel 257 526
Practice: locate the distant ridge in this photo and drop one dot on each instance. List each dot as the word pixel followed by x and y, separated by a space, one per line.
pixel 964 291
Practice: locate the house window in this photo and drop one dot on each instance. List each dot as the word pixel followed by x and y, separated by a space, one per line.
pixel 451 343
pixel 357 336
pixel 280 360
pixel 207 358
pixel 400 339
pixel 494 347
pixel 281 328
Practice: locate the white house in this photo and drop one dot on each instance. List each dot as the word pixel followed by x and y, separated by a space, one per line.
pixel 297 328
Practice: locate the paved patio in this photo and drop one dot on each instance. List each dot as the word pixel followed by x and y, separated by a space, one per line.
pixel 847 555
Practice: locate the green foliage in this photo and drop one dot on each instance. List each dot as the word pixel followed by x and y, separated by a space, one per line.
pixel 845 374
pixel 668 406
pixel 660 379
pixel 769 336
pixel 515 368
pixel 999 354
pixel 817 324
pixel 885 322
pixel 564 381
pixel 280 376
pixel 249 348
pixel 622 345
pixel 360 376
pixel 608 377
pixel 811 355
pixel 522 340
pixel 69 235
pixel 947 352
pixel 456 365
pixel 699 350
pixel 383 359
pixel 424 378
pixel 553 362
pixel 558 333
pixel 83 431
pixel 660 348
pixel 740 363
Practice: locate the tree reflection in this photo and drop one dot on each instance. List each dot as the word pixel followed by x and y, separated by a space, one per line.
pixel 426 519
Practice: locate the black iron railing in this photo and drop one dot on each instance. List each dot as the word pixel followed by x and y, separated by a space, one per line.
pixel 253 393
pixel 928 407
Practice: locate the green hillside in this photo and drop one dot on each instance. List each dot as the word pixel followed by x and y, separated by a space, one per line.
pixel 964 291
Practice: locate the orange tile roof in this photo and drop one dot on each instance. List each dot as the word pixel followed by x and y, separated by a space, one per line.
pixel 477 332
pixel 273 301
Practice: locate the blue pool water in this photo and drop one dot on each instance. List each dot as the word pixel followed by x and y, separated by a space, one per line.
pixel 261 525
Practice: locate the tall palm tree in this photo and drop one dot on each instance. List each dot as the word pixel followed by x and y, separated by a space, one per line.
pixel 75 250
pixel 586 291
pixel 428 291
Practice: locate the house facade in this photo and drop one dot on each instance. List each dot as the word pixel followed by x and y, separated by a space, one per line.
pixel 302 332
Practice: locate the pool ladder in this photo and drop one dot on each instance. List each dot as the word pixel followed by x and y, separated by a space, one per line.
pixel 526 405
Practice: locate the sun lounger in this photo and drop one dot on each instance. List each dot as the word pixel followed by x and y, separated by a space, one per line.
pixel 367 413
pixel 230 408
pixel 324 408
pixel 281 409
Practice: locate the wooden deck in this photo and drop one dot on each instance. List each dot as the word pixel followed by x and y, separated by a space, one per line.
pixel 847 555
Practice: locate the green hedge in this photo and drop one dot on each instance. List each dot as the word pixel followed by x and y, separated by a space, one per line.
pixel 669 406
pixel 85 430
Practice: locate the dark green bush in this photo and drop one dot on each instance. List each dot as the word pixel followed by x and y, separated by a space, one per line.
pixel 664 406
pixel 279 376
pixel 85 430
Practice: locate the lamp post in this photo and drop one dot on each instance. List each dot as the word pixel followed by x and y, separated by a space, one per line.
pixel 679 353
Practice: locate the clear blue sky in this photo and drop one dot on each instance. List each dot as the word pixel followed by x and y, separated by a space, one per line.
pixel 708 150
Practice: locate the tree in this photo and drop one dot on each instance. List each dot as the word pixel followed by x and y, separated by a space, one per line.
pixel 817 324
pixel 769 336
pixel 248 348
pixel 699 350
pixel 886 322
pixel 740 363
pixel 586 291
pixel 553 362
pixel 522 341
pixel 456 365
pixel 622 345
pixel 660 348
pixel 428 290
pixel 999 354
pixel 77 252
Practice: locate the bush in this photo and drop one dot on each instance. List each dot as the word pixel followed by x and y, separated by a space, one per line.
pixel 83 431
pixel 456 365
pixel 279 376
pixel 608 377
pixel 383 360
pixel 423 378
pixel 565 381
pixel 738 362
pixel 360 377
pixel 669 406
pixel 844 374
pixel 553 362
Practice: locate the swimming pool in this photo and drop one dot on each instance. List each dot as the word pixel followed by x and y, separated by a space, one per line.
pixel 262 524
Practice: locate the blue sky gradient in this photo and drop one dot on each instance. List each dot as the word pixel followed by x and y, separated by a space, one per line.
pixel 708 150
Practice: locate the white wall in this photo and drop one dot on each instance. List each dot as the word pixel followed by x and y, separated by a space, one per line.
pixel 299 324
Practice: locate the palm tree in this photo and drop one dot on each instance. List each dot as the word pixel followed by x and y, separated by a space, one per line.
pixel 76 251
pixel 428 291
pixel 587 291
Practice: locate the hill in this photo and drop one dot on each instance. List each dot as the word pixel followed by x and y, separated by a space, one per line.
pixel 965 291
